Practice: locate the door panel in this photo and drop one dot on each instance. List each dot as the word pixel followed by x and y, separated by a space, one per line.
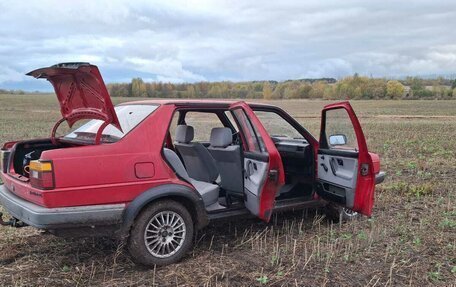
pixel 345 169
pixel 264 170
pixel 254 177
pixel 340 172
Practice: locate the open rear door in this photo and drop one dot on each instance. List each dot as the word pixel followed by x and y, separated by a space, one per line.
pixel 345 170
pixel 263 169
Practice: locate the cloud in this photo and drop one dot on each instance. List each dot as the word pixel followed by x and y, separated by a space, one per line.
pixel 164 69
pixel 9 75
pixel 335 67
pixel 228 40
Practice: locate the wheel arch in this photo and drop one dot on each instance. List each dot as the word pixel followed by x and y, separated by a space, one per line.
pixel 180 193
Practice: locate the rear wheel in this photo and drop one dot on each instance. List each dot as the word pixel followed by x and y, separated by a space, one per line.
pixel 162 234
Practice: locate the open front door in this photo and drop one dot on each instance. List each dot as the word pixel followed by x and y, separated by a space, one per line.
pixel 263 169
pixel 345 170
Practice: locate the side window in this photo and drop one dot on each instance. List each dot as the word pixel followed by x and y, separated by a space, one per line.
pixel 202 123
pixel 254 143
pixel 339 130
pixel 276 126
pixel 173 125
pixel 231 119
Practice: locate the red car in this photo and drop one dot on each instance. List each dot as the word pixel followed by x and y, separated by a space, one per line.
pixel 156 170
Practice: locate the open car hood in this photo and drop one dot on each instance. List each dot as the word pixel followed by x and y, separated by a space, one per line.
pixel 81 92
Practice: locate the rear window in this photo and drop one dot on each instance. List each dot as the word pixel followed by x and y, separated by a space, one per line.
pixel 129 117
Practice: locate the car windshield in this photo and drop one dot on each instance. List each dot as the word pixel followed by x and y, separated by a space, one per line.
pixel 129 117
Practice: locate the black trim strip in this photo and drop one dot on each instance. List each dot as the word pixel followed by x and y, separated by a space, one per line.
pixel 338 152
pixel 264 157
pixel 326 195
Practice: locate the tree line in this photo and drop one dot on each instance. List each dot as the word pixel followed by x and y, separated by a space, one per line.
pixel 353 87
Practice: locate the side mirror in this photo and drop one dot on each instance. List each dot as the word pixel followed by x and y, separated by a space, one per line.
pixel 337 140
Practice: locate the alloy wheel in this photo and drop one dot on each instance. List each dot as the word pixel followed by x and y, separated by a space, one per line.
pixel 165 234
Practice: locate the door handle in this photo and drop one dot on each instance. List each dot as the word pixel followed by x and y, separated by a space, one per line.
pixel 332 163
pixel 249 169
pixel 324 167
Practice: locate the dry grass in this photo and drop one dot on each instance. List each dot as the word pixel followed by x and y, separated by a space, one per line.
pixel 410 240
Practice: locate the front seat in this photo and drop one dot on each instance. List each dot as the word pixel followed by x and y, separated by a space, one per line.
pixel 198 161
pixel 228 160
pixel 208 191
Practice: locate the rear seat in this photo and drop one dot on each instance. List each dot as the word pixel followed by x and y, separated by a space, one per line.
pixel 208 191
pixel 198 161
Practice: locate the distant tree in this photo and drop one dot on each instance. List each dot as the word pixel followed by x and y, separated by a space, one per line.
pixel 290 91
pixel 454 93
pixel 278 91
pixel 394 89
pixel 354 87
pixel 415 83
pixel 191 92
pixel 344 90
pixel 214 91
pixel 150 90
pixel 422 94
pixel 305 91
pixel 224 90
pixel 118 90
pixel 168 90
pixel 138 88
pixel 203 88
pixel 251 93
pixel 267 91
pixel 317 90
pixel 439 91
pixel 258 87
pixel 375 89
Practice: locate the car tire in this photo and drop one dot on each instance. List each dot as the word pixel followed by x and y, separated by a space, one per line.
pixel 161 234
pixel 339 213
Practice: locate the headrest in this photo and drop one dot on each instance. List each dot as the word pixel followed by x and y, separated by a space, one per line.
pixel 184 134
pixel 221 137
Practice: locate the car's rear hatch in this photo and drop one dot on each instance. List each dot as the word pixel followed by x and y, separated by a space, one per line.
pixel 81 92
pixel 82 95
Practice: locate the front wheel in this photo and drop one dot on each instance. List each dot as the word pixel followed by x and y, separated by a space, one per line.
pixel 339 213
pixel 161 234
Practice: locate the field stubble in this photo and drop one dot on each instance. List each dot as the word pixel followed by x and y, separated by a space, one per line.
pixel 410 239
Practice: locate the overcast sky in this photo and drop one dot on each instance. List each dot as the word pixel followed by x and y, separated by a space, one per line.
pixel 188 41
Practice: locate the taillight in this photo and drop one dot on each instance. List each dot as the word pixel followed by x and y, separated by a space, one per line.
pixel 4 158
pixel 41 174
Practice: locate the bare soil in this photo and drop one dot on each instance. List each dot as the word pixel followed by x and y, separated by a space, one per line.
pixel 410 239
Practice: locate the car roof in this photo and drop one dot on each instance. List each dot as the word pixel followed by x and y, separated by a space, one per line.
pixel 197 103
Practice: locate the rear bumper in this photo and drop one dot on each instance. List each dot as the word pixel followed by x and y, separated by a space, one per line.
pixel 61 217
pixel 380 177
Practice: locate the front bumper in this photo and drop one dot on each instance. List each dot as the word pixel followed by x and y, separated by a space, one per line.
pixel 380 177
pixel 61 217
